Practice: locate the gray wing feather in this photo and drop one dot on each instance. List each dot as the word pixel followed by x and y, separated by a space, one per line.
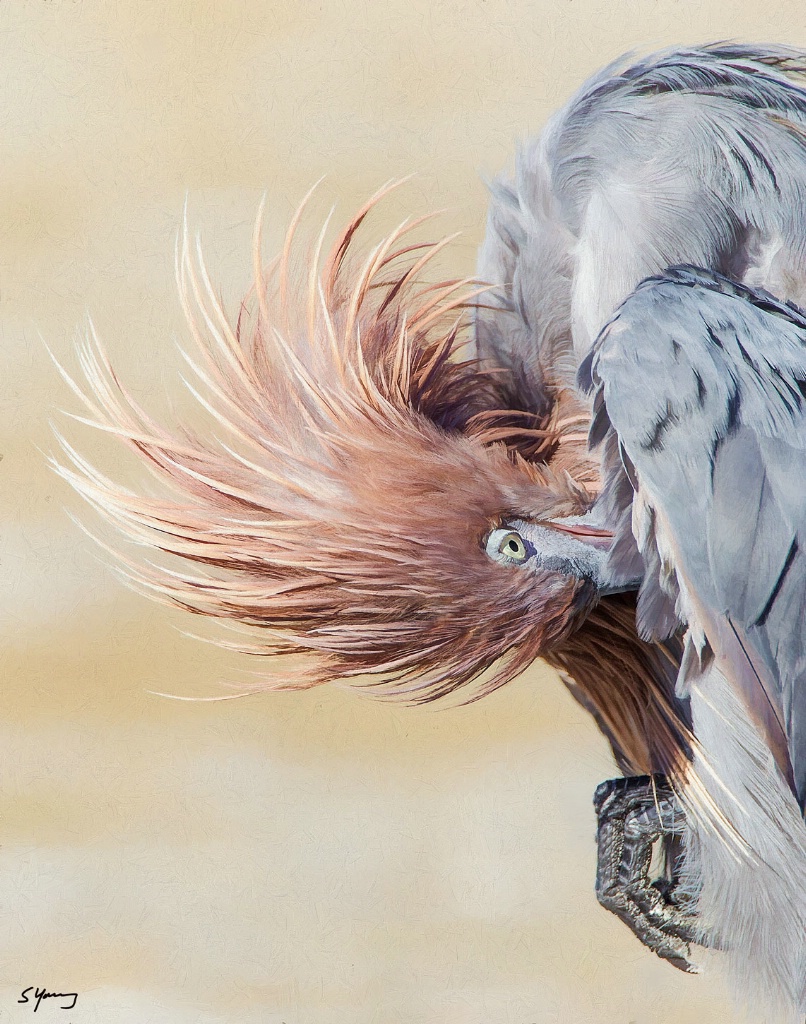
pixel 603 200
pixel 704 383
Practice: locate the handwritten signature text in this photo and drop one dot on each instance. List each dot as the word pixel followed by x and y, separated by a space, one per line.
pixel 42 993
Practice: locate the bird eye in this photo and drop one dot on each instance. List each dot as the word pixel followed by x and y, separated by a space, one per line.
pixel 507 547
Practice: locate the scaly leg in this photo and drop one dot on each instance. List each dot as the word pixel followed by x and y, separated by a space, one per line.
pixel 633 814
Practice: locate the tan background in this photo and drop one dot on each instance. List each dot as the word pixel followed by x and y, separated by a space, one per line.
pixel 315 858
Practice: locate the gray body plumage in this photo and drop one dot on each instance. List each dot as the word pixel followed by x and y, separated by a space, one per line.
pixel 711 420
pixel 690 159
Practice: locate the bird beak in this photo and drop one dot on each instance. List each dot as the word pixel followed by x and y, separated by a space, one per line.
pixel 593 536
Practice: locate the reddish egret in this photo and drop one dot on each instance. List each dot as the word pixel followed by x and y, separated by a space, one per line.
pixel 608 473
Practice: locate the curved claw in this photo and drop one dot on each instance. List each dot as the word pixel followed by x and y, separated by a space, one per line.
pixel 633 814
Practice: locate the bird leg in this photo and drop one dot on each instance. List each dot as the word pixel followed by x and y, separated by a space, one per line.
pixel 633 814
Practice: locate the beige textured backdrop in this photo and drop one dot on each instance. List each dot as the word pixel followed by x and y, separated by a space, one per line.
pixel 315 858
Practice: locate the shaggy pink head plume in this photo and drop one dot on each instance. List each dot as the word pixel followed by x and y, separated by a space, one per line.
pixel 359 467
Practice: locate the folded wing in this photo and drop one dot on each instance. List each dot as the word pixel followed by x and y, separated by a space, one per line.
pixel 702 383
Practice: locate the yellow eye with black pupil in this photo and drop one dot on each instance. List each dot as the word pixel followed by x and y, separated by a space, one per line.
pixel 511 545
pixel 507 547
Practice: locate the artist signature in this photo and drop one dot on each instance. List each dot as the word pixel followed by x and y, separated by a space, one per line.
pixel 70 998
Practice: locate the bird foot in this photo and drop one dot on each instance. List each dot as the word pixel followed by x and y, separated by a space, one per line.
pixel 634 814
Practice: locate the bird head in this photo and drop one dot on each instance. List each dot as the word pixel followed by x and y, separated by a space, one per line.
pixel 362 494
